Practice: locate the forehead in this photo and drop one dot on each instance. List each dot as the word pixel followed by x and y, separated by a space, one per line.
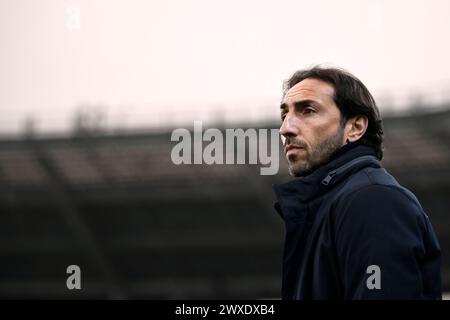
pixel 311 89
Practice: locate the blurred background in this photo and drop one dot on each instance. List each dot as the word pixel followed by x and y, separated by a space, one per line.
pixel 90 92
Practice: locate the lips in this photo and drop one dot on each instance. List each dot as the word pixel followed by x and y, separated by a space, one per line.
pixel 290 149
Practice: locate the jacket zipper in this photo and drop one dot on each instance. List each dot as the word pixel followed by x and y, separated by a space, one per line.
pixel 326 181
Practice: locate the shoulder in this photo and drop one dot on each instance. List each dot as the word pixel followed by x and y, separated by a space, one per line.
pixel 379 195
pixel 378 205
pixel 375 187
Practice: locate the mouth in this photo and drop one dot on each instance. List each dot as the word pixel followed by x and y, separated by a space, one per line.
pixel 291 149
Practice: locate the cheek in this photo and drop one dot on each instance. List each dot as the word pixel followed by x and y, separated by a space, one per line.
pixel 320 132
pixel 313 132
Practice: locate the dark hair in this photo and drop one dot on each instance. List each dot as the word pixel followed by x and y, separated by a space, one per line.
pixel 351 97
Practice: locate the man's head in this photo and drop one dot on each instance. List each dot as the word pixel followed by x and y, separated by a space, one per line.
pixel 323 109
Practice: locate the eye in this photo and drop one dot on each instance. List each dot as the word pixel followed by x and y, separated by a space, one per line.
pixel 309 110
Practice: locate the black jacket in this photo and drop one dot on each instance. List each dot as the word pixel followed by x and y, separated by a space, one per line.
pixel 347 217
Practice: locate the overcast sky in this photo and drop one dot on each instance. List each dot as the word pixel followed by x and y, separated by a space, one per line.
pixel 140 61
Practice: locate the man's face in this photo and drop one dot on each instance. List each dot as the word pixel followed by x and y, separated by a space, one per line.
pixel 311 130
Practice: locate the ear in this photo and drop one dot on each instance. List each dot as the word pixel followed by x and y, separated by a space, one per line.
pixel 355 128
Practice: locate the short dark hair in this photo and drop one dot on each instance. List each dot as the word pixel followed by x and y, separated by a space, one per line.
pixel 351 97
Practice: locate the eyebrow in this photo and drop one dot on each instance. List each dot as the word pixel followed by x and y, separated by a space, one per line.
pixel 298 104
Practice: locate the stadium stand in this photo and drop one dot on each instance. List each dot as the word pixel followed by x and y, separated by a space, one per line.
pixel 141 227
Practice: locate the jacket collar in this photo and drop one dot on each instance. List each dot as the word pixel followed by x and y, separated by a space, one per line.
pixel 345 161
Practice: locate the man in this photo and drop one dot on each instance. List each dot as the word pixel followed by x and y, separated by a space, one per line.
pixel 352 231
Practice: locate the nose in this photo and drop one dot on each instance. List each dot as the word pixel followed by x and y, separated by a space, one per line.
pixel 289 127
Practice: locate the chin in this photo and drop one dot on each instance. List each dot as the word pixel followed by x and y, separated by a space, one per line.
pixel 297 170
